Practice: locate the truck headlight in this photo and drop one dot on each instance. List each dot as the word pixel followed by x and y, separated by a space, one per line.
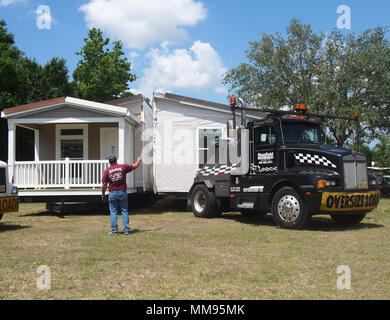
pixel 330 183
pixel 324 183
pixel 14 190
pixel 373 182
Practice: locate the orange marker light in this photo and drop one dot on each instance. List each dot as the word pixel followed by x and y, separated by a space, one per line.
pixel 233 100
pixel 321 184
pixel 356 113
pixel 232 196
pixel 301 106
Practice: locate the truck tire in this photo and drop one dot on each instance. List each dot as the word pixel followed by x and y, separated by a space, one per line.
pixel 203 202
pixel 288 209
pixel 1 216
pixel 348 220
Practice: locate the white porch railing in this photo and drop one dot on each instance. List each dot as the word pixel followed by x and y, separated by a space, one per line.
pixel 59 174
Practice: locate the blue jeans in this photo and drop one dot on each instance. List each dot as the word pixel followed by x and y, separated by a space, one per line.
pixel 118 198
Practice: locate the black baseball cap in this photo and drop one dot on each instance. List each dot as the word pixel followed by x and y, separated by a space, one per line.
pixel 112 159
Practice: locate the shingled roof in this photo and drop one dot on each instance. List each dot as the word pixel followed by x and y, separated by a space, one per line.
pixel 34 105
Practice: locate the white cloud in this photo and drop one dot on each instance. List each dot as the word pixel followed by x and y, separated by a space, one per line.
pixel 197 68
pixel 5 3
pixel 139 23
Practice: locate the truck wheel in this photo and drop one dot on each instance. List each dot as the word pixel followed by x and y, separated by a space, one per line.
pixel 203 202
pixel 1 216
pixel 348 220
pixel 288 209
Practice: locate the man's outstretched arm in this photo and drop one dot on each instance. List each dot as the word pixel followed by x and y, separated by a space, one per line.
pixel 136 165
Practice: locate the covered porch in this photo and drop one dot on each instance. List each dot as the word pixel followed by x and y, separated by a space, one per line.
pixel 71 142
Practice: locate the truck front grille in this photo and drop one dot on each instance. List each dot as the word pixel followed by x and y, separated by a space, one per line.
pixel 3 182
pixel 355 172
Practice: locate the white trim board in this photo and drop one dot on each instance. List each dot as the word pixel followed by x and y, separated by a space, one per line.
pixel 63 120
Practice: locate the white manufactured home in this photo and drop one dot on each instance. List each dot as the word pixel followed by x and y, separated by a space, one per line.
pixel 187 134
pixel 73 139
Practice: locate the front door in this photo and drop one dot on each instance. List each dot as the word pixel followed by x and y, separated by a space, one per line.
pixel 108 142
pixel 263 151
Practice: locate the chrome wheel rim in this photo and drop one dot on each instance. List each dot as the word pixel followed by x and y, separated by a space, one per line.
pixel 289 208
pixel 200 201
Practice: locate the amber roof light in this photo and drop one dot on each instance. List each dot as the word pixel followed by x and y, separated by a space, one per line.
pixel 301 107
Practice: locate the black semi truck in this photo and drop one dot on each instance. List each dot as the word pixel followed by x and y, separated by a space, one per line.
pixel 279 165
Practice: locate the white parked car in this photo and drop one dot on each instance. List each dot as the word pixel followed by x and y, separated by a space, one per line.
pixel 9 201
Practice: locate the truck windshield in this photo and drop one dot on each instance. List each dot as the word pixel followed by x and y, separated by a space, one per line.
pixel 301 133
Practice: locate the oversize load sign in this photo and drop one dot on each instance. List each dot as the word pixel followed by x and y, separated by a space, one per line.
pixel 349 201
pixel 8 205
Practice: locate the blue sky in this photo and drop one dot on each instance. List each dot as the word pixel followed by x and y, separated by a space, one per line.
pixel 180 46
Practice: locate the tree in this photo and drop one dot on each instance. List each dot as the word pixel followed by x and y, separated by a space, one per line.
pixel 334 74
pixel 56 79
pixel 13 80
pixel 102 74
pixel 23 80
pixel 12 75
pixel 48 81
pixel 381 152
pixel 353 75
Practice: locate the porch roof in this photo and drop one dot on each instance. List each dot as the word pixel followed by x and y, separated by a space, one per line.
pixel 37 107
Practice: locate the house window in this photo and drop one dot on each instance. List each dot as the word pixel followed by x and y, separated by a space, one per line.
pixel 72 149
pixel 71 132
pixel 72 141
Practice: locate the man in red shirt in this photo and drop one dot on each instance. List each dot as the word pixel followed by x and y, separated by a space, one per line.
pixel 115 177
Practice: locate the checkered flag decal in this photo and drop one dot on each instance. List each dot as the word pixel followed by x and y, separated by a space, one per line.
pixel 314 159
pixel 216 170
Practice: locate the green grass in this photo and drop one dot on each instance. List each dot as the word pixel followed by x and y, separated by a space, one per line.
pixel 173 255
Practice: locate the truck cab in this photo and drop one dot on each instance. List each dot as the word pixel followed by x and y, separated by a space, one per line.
pixel 282 167
pixel 8 192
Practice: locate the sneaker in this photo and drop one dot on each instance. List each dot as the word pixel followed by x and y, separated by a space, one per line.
pixel 113 233
pixel 127 233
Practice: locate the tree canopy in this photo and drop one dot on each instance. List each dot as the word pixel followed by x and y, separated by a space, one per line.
pixel 334 74
pixel 381 152
pixel 102 74
pixel 13 79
